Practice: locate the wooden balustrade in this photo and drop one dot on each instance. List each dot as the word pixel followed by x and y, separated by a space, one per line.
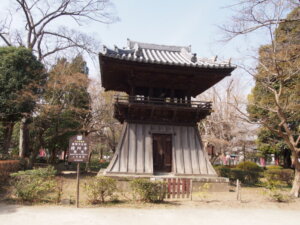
pixel 177 102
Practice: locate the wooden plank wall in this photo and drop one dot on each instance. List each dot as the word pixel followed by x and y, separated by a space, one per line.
pixel 134 151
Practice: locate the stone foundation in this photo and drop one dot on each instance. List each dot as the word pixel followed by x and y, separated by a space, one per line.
pixel 215 184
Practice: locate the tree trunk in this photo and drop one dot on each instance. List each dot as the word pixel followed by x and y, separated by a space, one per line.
pixel 87 165
pixel 287 162
pixel 9 126
pixel 36 149
pixel 65 154
pixel 296 183
pixel 101 153
pixel 52 155
pixel 24 138
pixel 276 159
pixel 244 152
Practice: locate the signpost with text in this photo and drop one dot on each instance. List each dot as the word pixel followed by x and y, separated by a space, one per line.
pixel 78 153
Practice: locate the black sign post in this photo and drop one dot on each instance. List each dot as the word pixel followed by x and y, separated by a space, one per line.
pixel 79 153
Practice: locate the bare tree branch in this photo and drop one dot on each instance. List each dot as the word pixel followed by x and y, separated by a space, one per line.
pixel 273 101
pixel 39 17
pixel 252 15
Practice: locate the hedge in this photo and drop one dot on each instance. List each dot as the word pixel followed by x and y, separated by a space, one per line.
pixel 34 185
pixel 223 171
pixel 247 172
pixel 148 191
pixel 6 168
pixel 285 176
pixel 100 188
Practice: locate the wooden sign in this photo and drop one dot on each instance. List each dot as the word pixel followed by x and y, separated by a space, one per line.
pixel 78 149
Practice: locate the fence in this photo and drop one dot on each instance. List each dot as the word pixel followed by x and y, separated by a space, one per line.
pixel 179 188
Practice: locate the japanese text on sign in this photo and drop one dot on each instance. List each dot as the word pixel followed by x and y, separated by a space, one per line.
pixel 78 149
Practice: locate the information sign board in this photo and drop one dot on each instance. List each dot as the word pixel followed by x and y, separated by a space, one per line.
pixel 78 149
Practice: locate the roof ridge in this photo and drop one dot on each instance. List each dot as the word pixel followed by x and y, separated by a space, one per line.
pixel 163 54
pixel 131 44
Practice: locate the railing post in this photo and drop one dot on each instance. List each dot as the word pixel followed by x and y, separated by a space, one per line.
pixel 191 189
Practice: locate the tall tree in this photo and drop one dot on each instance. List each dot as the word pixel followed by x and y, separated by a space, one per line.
pixel 22 78
pixel 270 143
pixel 275 97
pixel 274 102
pixel 224 129
pixel 66 105
pixel 103 124
pixel 41 33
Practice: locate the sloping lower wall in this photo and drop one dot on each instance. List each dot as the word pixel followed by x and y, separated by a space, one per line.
pixel 134 151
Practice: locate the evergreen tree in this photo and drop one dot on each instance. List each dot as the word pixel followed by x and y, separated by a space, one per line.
pixel 66 106
pixel 274 101
pixel 22 78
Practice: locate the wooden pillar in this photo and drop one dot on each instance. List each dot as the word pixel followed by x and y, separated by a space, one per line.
pixel 189 99
pixel 172 95
pixel 150 92
pixel 132 93
pixel 132 90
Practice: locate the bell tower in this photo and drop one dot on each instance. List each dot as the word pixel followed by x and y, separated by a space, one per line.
pixel 159 117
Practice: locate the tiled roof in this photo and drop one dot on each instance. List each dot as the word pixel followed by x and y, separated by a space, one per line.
pixel 163 54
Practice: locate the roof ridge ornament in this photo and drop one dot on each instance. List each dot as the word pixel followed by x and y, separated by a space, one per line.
pixel 128 42
pixel 104 49
pixel 214 59
pixel 194 58
pixel 137 50
pixel 229 62
pixel 116 48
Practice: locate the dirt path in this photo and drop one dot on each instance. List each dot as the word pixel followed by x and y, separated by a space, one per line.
pixel 53 215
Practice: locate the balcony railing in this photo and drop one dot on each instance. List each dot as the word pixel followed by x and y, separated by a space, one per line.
pixel 163 101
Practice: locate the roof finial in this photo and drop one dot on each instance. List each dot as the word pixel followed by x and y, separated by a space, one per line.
pixel 116 48
pixel 194 58
pixel 229 61
pixel 215 58
pixel 104 49
pixel 128 42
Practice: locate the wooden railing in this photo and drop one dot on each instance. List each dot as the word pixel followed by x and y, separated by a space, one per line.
pixel 179 188
pixel 163 101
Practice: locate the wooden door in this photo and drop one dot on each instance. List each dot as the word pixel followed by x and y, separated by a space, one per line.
pixel 162 152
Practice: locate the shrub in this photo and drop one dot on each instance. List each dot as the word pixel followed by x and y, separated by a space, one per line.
pixel 148 191
pixel 99 188
pixel 6 168
pixel 249 166
pixel 237 174
pixel 273 167
pixel 223 171
pixel 247 172
pixel 285 176
pixel 274 191
pixel 95 165
pixel 203 192
pixel 104 165
pixel 34 185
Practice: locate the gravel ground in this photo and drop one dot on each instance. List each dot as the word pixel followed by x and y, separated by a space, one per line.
pixel 53 215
